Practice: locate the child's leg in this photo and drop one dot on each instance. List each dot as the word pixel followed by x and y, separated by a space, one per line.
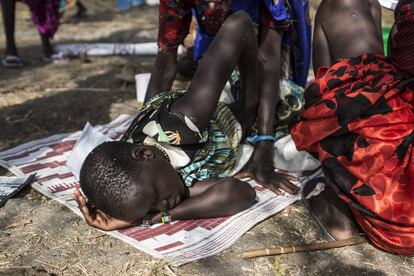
pixel 47 46
pixel 81 9
pixel 235 43
pixel 8 8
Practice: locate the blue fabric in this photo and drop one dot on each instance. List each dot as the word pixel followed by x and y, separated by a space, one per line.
pixel 251 7
pixel 277 10
pixel 256 138
pixel 298 39
pixel 201 43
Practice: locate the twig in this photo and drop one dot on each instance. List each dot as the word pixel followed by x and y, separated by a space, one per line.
pixel 169 271
pixel 16 267
pixel 84 89
pixel 84 270
pixel 302 248
pixel 49 265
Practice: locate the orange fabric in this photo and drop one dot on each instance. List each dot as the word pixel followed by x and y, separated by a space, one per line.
pixel 359 121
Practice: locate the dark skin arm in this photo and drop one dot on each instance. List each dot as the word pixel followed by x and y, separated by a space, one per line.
pixel 260 166
pixel 214 198
pixel 163 72
pixel 234 44
pixel 321 53
pixel 208 199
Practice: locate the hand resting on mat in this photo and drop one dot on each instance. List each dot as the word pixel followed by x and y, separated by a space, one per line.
pixel 260 168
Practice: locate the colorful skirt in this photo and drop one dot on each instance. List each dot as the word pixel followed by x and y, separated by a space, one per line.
pixel 45 15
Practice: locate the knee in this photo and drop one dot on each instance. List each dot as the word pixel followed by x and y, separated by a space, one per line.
pixel 239 21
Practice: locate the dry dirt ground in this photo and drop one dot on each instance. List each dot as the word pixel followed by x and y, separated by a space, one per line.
pixel 45 99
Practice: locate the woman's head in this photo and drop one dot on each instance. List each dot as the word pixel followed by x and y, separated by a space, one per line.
pixel 128 181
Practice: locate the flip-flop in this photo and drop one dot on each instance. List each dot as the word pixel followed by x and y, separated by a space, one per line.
pixel 56 57
pixel 310 190
pixel 12 61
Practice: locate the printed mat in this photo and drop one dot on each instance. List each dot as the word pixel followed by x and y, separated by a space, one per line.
pixel 179 242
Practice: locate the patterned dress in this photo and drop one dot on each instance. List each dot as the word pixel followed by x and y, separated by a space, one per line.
pixel 359 121
pixel 175 19
pixel 195 154
pixel 45 15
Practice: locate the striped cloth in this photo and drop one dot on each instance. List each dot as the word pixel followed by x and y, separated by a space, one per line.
pixel 224 135
pixel 179 242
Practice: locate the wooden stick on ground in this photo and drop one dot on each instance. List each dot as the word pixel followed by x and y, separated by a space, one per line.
pixel 303 248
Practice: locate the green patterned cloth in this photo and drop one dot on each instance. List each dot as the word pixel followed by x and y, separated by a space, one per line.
pixel 196 155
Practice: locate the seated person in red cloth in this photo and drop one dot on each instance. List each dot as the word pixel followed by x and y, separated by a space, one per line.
pixel 359 121
pixel 167 164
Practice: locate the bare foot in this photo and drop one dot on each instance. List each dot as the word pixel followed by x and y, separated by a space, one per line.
pixel 334 214
pixel 11 51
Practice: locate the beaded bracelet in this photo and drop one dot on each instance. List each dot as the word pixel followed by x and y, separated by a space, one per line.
pixel 146 221
pixel 166 218
pixel 256 138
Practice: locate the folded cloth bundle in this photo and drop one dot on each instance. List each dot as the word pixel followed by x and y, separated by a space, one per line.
pixel 9 186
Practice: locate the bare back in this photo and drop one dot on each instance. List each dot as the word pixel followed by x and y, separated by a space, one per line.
pixel 346 28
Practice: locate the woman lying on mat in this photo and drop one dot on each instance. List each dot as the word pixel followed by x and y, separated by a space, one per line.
pixel 359 121
pixel 168 163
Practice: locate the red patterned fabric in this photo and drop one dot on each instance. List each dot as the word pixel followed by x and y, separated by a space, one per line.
pixel 403 41
pixel 359 121
pixel 175 19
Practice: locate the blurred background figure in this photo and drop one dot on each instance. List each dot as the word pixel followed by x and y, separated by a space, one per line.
pixel 45 16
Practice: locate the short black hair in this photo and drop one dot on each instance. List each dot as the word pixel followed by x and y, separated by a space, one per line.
pixel 106 176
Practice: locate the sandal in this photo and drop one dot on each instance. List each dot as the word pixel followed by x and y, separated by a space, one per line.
pixel 56 57
pixel 12 61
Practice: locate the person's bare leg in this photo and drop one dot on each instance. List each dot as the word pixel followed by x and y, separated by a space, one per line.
pixel 81 9
pixel 47 46
pixel 334 214
pixel 8 8
pixel 235 43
